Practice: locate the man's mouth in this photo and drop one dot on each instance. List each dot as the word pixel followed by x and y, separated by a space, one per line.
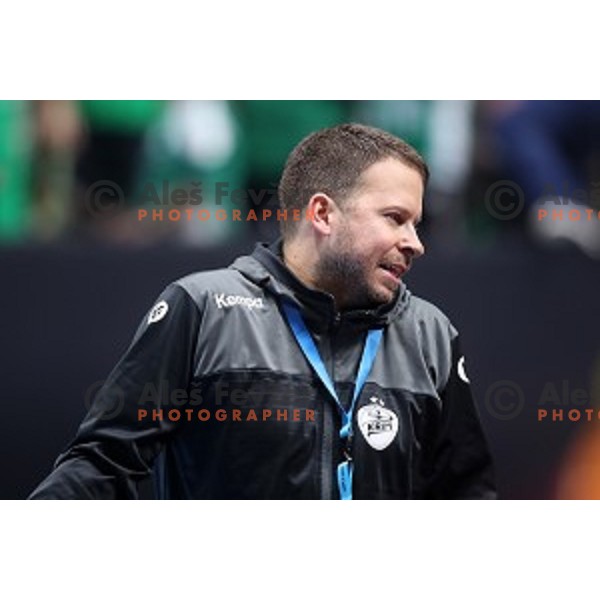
pixel 397 270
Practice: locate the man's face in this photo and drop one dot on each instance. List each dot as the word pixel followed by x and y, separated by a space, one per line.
pixel 374 240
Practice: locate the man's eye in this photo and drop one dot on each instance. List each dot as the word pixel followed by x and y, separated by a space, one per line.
pixel 400 219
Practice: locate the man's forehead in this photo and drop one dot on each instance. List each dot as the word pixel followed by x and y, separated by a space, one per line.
pixel 391 171
pixel 391 182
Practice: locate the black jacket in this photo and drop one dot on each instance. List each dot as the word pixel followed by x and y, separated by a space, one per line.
pixel 215 395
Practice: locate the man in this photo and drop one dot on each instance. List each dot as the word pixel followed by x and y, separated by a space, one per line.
pixel 308 370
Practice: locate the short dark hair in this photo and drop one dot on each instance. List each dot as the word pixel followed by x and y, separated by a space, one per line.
pixel 332 160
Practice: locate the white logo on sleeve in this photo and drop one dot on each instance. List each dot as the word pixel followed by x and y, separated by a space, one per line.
pixel 158 312
pixel 379 425
pixel 224 301
pixel 461 370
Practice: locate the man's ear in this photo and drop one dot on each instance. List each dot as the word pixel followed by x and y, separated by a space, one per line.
pixel 320 210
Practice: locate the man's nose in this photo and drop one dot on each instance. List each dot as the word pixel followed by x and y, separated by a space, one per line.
pixel 410 241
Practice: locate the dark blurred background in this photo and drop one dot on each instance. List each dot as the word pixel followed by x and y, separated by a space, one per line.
pixel 80 269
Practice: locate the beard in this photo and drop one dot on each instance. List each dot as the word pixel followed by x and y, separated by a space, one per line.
pixel 346 277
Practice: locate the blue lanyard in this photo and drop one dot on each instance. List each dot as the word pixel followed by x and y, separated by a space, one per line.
pixel 305 341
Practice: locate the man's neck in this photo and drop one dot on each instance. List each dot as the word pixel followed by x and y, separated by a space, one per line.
pixel 297 261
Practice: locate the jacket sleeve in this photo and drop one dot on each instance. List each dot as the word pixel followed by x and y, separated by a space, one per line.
pixel 114 448
pixel 462 464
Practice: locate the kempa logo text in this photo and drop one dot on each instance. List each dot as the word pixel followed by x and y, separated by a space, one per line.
pixel 224 301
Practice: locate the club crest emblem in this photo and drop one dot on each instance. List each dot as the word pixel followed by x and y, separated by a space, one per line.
pixel 158 312
pixel 379 425
pixel 461 370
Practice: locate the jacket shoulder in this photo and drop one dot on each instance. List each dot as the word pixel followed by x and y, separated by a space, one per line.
pixel 199 283
pixel 204 284
pixel 428 315
pixel 435 336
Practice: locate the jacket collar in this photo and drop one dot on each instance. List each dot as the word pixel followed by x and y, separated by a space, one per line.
pixel 265 267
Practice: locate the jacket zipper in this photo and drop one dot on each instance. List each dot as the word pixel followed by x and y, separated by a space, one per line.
pixel 330 437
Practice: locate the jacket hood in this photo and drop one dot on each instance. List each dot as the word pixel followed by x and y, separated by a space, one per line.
pixel 265 268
